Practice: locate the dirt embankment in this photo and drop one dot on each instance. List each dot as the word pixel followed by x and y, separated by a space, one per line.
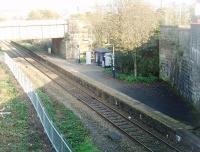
pixel 20 130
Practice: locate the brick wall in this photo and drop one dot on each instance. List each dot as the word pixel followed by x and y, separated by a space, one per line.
pixel 180 60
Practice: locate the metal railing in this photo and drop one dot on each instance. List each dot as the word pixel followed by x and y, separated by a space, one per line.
pixel 53 134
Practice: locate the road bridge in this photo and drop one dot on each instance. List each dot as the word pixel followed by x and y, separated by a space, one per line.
pixel 36 29
pixel 32 29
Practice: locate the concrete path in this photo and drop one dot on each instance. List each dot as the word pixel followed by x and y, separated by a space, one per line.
pixel 158 96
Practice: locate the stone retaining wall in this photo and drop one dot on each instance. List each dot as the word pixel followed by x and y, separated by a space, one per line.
pixel 59 47
pixel 180 60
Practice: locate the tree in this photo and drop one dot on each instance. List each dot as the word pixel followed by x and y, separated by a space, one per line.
pixel 97 21
pixel 128 24
pixel 42 14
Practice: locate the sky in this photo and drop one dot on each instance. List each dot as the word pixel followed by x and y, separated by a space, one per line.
pixel 22 7
pixel 157 3
pixel 66 4
pixel 69 6
pixel 45 4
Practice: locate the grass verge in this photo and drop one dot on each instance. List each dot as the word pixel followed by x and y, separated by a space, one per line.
pixel 15 128
pixel 68 124
pixel 130 78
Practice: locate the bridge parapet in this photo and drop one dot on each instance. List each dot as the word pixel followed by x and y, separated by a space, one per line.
pixel 37 29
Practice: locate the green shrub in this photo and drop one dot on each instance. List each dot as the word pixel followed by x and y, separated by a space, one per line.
pixel 130 78
pixel 147 59
pixel 69 124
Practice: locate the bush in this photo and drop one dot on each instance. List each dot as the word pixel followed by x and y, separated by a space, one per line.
pixel 130 78
pixel 140 79
pixel 147 59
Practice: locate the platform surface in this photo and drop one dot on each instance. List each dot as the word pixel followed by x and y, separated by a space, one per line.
pixel 158 96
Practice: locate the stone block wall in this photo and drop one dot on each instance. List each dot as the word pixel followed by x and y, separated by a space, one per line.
pixel 180 60
pixel 59 47
pixel 195 62
pixel 64 49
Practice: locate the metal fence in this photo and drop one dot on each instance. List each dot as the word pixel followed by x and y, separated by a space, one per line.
pixel 54 136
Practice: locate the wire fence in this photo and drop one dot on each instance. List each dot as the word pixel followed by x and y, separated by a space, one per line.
pixel 54 136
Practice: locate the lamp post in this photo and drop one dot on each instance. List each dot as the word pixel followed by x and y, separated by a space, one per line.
pixel 113 59
pixel 79 56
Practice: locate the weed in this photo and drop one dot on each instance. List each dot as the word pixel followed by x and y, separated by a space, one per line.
pixel 31 46
pixel 69 125
pixel 15 128
pixel 130 78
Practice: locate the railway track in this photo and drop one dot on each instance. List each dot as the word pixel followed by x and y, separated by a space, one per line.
pixel 133 130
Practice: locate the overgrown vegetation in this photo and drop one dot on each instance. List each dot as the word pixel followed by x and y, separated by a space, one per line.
pixel 36 45
pixel 130 78
pixel 147 60
pixel 30 46
pixel 129 25
pixel 16 132
pixel 43 14
pixel 83 59
pixel 69 125
pixel 147 63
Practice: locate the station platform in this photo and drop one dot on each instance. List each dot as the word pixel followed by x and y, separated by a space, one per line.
pixel 158 96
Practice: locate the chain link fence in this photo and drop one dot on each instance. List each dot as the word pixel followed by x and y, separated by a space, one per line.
pixel 54 136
